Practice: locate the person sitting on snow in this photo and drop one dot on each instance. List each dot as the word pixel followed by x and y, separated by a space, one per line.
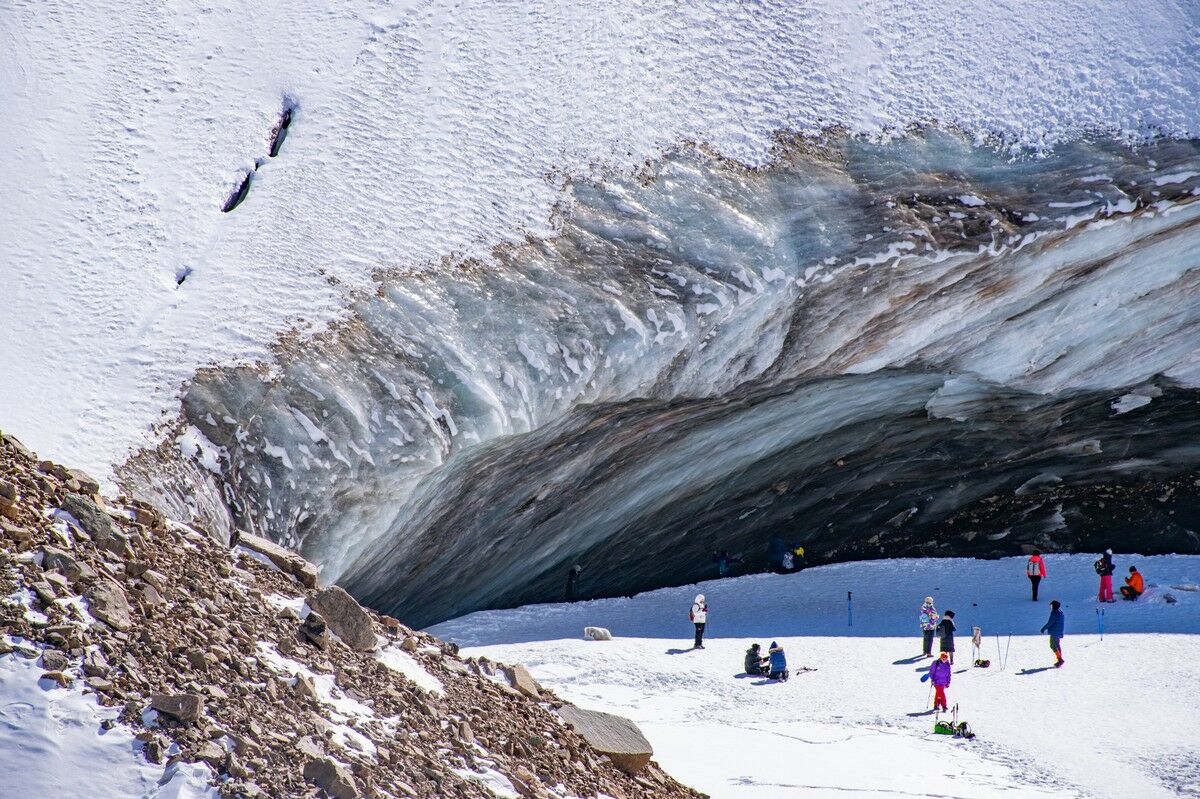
pixel 1134 585
pixel 756 662
pixel 779 669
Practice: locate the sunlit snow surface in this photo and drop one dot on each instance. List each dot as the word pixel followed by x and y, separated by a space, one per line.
pixel 1121 718
pixel 428 130
pixel 52 744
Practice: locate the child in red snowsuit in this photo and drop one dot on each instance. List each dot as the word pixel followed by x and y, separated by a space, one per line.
pixel 939 672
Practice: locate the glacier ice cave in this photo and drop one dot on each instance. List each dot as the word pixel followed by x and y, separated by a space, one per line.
pixel 919 346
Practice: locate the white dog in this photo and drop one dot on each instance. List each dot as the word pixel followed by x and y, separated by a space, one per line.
pixel 596 634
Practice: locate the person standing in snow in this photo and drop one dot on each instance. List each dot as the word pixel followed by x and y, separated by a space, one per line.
pixel 779 669
pixel 1134 585
pixel 1054 626
pixel 699 617
pixel 928 620
pixel 940 673
pixel 1105 568
pixel 1035 568
pixel 572 579
pixel 798 558
pixel 945 630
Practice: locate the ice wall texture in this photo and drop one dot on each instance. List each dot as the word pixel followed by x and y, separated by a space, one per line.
pixel 427 130
pixel 923 346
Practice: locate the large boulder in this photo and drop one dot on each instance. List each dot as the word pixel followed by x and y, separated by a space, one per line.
pixel 331 777
pixel 520 678
pixel 96 523
pixel 108 603
pixel 615 736
pixel 345 617
pixel 54 559
pixel 284 559
pixel 187 708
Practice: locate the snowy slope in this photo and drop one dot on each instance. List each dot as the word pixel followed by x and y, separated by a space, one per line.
pixel 52 743
pixel 1121 718
pixel 429 130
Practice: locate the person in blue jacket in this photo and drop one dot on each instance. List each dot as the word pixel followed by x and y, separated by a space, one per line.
pixel 779 669
pixel 1054 626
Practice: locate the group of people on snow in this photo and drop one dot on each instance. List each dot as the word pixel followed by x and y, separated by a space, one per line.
pixel 773 665
pixel 933 624
pixel 1134 586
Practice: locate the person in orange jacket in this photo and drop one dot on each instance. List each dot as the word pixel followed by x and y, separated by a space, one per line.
pixel 1134 585
pixel 1035 569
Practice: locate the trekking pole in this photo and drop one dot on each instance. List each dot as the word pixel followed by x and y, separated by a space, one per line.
pixel 1007 647
pixel 849 609
pixel 929 698
pixel 999 660
pixel 1100 615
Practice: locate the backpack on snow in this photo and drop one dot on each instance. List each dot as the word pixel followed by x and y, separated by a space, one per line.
pixel 982 664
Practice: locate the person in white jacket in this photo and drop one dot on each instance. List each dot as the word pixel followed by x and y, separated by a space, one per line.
pixel 699 617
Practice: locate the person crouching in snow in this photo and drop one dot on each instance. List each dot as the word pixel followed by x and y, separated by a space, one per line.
pixel 945 630
pixel 940 673
pixel 1134 585
pixel 699 617
pixel 756 662
pixel 1054 626
pixel 779 669
pixel 928 619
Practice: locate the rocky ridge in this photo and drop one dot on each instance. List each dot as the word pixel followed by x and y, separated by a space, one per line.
pixel 234 658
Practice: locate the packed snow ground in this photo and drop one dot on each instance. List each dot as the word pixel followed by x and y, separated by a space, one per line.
pixel 1121 718
pixel 428 130
pixel 53 744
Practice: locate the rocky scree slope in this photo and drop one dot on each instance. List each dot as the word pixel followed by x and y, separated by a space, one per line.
pixel 284 690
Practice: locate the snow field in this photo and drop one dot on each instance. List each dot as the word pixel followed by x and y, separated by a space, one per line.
pixel 1121 718
pixel 52 744
pixel 423 131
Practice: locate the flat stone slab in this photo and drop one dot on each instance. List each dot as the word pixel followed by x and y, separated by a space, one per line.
pixel 612 735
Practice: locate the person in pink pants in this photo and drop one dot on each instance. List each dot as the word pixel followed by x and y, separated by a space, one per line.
pixel 1104 567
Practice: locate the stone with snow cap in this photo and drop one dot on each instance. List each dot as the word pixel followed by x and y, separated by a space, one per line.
pixel 611 735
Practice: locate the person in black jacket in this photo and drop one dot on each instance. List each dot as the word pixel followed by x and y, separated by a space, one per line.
pixel 1105 568
pixel 945 630
pixel 572 579
pixel 756 661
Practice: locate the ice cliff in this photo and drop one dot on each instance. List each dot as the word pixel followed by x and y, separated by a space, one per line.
pixel 916 345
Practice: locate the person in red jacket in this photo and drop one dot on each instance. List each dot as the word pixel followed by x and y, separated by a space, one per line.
pixel 1134 585
pixel 1035 569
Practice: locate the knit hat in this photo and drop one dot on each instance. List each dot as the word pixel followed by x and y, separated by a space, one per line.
pixel 945 655
pixel 928 600
pixel 1108 552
